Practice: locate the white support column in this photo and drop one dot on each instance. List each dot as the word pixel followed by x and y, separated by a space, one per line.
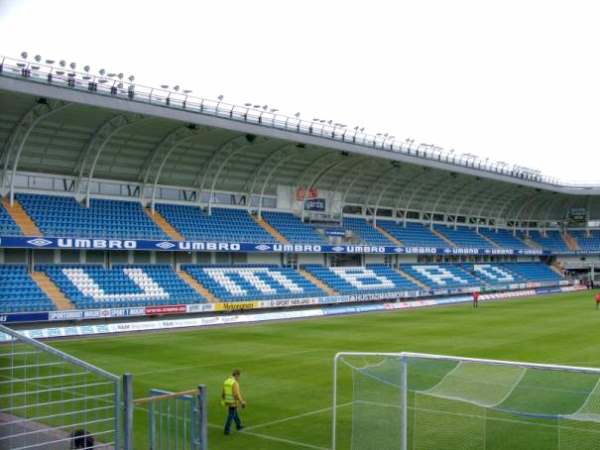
pixel 218 173
pixel 223 147
pixel 383 191
pixel 315 179
pixel 96 138
pixel 174 145
pixel 35 119
pixel 381 179
pixel 258 171
pixel 127 121
pixel 171 137
pixel 268 178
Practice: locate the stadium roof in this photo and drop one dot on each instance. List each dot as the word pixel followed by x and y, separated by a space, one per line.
pixel 66 126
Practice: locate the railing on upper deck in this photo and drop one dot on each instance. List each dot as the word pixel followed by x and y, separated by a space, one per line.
pixel 116 86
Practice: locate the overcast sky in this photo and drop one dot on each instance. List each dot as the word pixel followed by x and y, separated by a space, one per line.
pixel 512 80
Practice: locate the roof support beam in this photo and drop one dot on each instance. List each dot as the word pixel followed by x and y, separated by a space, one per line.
pixel 97 138
pixel 490 200
pixel 199 181
pixel 174 143
pixel 505 209
pixel 401 192
pixel 268 178
pixel 381 193
pixel 380 181
pixel 525 204
pixel 540 207
pixel 361 170
pixel 443 195
pixel 360 161
pixel 315 179
pixel 414 193
pixel 120 123
pixel 315 163
pixel 172 136
pixel 20 135
pixel 258 171
pixel 231 154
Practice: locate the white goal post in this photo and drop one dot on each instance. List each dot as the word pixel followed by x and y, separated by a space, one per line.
pixel 416 401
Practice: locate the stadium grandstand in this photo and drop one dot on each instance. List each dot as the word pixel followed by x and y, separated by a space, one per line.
pixel 122 202
pixel 116 195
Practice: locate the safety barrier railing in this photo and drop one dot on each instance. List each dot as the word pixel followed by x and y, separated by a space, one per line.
pixel 52 400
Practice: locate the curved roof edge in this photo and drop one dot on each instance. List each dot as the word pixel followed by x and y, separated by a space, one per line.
pixel 114 93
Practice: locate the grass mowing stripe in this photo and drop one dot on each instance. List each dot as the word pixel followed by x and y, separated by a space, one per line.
pixel 278 384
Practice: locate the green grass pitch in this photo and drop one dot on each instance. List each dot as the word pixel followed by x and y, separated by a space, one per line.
pixel 287 366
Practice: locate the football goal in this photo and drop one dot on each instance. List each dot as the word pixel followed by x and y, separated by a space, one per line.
pixel 411 401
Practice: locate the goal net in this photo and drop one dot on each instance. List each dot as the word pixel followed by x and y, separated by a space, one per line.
pixel 411 401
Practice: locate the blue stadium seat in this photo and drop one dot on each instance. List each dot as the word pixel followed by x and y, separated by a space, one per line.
pixel 19 293
pixel 376 278
pixel 504 238
pixel 438 276
pixel 492 274
pixel 223 225
pixel 253 282
pixel 587 242
pixel 463 236
pixel 533 271
pixel 292 228
pixel 553 241
pixel 92 286
pixel 106 219
pixel 413 234
pixel 367 233
pixel 8 227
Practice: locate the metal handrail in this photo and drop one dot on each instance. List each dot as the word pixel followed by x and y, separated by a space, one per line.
pixel 64 356
pixel 120 88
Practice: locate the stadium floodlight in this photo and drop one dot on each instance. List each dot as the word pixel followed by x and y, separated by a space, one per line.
pixel 62 63
pixel 297 115
pixel 220 97
pixel 265 107
pixel 187 91
pixel 274 110
pixel 24 55
pixel 176 88
pixel 248 104
pixel 131 78
pixel 37 59
pixel 50 61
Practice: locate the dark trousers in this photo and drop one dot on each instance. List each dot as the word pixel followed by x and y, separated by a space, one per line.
pixel 232 416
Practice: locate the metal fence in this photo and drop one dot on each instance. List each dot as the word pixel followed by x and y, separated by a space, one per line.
pixel 51 400
pixel 176 421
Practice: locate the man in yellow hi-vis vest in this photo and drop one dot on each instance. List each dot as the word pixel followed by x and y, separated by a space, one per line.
pixel 232 399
